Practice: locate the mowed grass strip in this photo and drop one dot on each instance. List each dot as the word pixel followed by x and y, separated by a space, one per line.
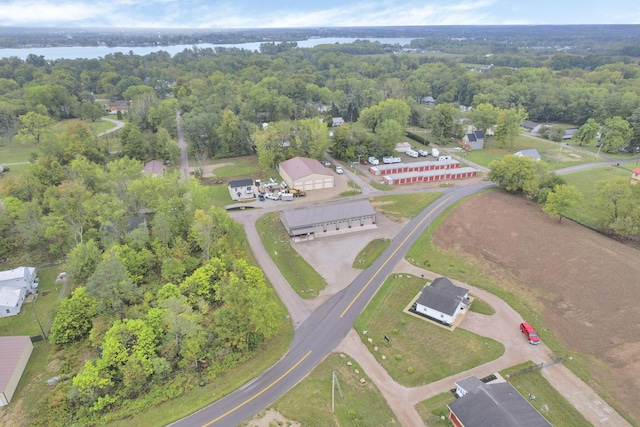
pixel 548 401
pixel 420 352
pixel 370 253
pixel 404 206
pixel 587 182
pixel 436 407
pixel 296 270
pixel 309 402
pixel 556 156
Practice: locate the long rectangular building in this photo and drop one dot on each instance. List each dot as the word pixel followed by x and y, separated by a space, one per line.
pixel 431 175
pixel 426 165
pixel 306 223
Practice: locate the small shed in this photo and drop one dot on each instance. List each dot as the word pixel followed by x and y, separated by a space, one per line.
pixel 242 189
pixel 474 140
pixel 14 356
pixel 154 168
pixel 531 152
pixel 402 147
pixel 568 134
pixel 429 100
pixel 635 176
pixel 307 223
pixel 442 301
pixel 306 174
pixel 530 126
pixel 337 121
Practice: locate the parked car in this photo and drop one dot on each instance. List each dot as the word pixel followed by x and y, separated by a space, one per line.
pixel 272 196
pixel 326 164
pixel 423 153
pixel 444 158
pixel 339 170
pixel 530 333
pixel 261 197
pixel 374 161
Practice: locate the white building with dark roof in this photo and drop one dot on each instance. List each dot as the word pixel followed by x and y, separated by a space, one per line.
pixel 308 223
pixel 492 405
pixel 474 140
pixel 306 174
pixel 442 301
pixel 241 189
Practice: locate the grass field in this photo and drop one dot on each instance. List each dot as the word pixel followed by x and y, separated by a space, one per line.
pixel 404 206
pixel 370 253
pixel 309 402
pixel 586 181
pixel 16 152
pixel 548 401
pixel 555 155
pixel 420 352
pixel 436 407
pixel 296 270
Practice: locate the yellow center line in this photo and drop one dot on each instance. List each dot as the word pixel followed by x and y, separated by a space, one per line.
pixel 260 392
pixel 392 255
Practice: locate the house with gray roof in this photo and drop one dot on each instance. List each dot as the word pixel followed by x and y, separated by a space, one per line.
pixel 309 222
pixel 242 189
pixel 15 284
pixel 474 140
pixel 442 301
pixel 530 126
pixel 531 152
pixel 492 405
pixel 337 121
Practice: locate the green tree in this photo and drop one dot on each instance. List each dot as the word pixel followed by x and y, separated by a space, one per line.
pixel 444 121
pixel 587 132
pixel 133 144
pixel 616 134
pixel 484 116
pixel 509 125
pixel 561 201
pixel 82 260
pixel 74 318
pixel 34 126
pixel 230 136
pixel 518 174
pixel 111 286
pixel 90 110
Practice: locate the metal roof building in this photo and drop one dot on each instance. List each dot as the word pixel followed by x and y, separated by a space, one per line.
pixel 306 174
pixel 14 356
pixel 306 223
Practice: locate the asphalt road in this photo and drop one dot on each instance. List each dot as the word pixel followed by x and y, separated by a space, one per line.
pixel 324 329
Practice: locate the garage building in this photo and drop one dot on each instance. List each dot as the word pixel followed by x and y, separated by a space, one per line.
pixel 14 356
pixel 426 165
pixel 427 176
pixel 307 223
pixel 306 174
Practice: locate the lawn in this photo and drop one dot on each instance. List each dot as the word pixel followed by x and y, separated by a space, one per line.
pixel 370 253
pixel 404 206
pixel 16 152
pixel 557 156
pixel 551 404
pixel 419 352
pixel 435 408
pixel 43 308
pixel 309 402
pixel 586 181
pixel 296 270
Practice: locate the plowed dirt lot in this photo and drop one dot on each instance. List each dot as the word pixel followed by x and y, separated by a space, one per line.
pixel 585 283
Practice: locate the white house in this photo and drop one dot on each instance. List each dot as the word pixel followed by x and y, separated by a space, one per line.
pixel 241 189
pixel 442 301
pixel 14 286
pixel 531 152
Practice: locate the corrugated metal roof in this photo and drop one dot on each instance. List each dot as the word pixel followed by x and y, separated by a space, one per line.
pixel 434 172
pixel 306 217
pixel 11 349
pixel 299 167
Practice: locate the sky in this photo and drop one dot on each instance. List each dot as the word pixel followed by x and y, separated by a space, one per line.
pixel 220 14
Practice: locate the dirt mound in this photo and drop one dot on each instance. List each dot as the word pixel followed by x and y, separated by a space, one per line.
pixel 584 281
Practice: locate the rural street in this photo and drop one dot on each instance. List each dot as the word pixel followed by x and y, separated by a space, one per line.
pixel 319 332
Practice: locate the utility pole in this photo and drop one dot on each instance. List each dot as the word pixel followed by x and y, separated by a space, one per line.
pixel 33 307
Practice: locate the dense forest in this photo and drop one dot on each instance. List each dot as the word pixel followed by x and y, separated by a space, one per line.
pixel 166 295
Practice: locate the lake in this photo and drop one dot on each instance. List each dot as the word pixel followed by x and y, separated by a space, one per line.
pixel 91 52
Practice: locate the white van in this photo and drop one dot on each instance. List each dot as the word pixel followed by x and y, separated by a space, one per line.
pixel 435 153
pixel 412 153
pixel 373 161
pixel 444 158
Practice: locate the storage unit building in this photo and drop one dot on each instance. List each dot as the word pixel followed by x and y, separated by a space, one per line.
pixel 306 223
pixel 14 356
pixel 430 175
pixel 306 174
pixel 425 165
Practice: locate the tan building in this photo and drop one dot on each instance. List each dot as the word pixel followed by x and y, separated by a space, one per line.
pixel 306 174
pixel 14 356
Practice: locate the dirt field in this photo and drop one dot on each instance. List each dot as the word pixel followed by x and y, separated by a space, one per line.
pixel 585 282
